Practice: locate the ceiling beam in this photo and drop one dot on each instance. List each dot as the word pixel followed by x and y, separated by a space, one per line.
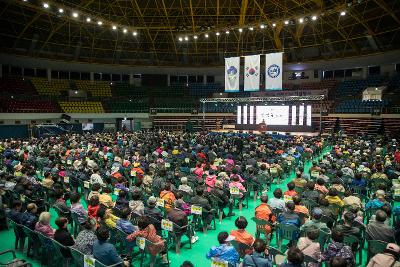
pixel 170 29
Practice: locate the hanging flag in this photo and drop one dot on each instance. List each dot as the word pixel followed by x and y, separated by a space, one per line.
pixel 273 71
pixel 252 73
pixel 232 71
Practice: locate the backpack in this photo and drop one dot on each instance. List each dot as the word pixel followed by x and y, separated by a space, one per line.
pixel 346 253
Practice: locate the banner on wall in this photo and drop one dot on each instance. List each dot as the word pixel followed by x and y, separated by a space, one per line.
pixel 232 74
pixel 273 71
pixel 252 73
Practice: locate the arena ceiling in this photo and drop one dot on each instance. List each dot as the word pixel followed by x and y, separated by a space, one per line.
pixel 174 32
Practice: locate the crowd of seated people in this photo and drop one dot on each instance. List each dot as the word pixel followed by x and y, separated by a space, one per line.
pixel 135 184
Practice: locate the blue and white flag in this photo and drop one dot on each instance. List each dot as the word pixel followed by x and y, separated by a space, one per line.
pixel 232 74
pixel 273 71
pixel 252 73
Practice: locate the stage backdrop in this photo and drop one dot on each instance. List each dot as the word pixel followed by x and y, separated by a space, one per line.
pixel 273 71
pixel 252 73
pixel 232 74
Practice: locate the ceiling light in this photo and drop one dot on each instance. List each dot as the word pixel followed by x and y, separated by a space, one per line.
pixel 45 5
pixel 100 23
pixel 180 39
pixel 124 30
pixel 134 33
pixel 262 26
pixel 251 28
pixel 227 32
pixel 186 38
pixel 24 0
pixel 217 33
pixel 273 24
pixel 240 29
pixel 114 27
pixel 195 37
pixel 301 20
pixel 61 10
pixel 286 22
pixel 88 19
pixel 343 13
pixel 314 17
pixel 206 35
pixel 75 15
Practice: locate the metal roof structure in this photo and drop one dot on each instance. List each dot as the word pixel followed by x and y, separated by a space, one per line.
pixel 197 33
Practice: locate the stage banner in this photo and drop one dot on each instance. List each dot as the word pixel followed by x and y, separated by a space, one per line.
pixel 252 73
pixel 273 71
pixel 232 73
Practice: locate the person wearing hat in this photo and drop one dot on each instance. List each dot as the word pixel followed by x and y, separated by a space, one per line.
pixel 389 257
pixel 378 201
pixel 316 221
pixel 224 251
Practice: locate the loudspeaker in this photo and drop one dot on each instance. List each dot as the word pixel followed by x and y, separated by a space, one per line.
pixel 153 111
pixel 65 118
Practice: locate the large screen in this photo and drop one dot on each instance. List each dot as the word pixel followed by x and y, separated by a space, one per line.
pixel 283 115
pixel 272 115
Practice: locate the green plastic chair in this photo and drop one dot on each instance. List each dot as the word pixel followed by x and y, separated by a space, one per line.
pixel 286 232
pixel 375 247
pixel 241 248
pixel 77 256
pixel 260 229
pixel 153 258
pixel 355 244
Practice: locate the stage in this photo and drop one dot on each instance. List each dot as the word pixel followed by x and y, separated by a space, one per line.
pixel 230 130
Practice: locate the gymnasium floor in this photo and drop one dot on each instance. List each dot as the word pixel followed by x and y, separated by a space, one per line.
pixel 197 254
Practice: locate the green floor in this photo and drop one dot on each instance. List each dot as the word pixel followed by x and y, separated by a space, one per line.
pixel 197 254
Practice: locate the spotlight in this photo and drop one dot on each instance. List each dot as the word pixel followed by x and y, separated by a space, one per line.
pixel 240 30
pixel 262 26
pixel 343 13
pixel 180 39
pixel 227 32
pixel 99 23
pixel 60 10
pixel 114 27
pixel 286 22
pixel 134 33
pixel 88 20
pixel 251 28
pixel 314 17
pixel 24 0
pixel 217 33
pixel 186 38
pixel 195 37
pixel 45 5
pixel 206 35
pixel 75 15
pixel 301 20
pixel 273 24
pixel 124 30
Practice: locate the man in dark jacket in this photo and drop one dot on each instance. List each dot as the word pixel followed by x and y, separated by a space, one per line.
pixel 200 200
pixel 29 218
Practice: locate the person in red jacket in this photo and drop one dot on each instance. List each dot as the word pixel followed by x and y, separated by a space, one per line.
pixel 94 205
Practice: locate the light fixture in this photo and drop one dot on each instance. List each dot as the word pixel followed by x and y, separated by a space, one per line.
pixel 186 38
pixel 99 23
pixel 24 0
pixel 273 24
pixel 61 10
pixel 88 20
pixel 314 17
pixel 262 26
pixel 301 20
pixel 251 28
pixel 343 13
pixel 134 33
pixel 217 33
pixel 286 22
pixel 114 27
pixel 227 32
pixel 45 5
pixel 206 35
pixel 124 30
pixel 240 29
pixel 180 39
pixel 75 15
pixel 195 37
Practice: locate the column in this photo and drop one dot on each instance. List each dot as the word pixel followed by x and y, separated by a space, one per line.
pixel 49 75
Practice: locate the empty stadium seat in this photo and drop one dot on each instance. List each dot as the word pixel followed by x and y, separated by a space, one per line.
pixel 54 87
pixel 95 88
pixel 81 107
